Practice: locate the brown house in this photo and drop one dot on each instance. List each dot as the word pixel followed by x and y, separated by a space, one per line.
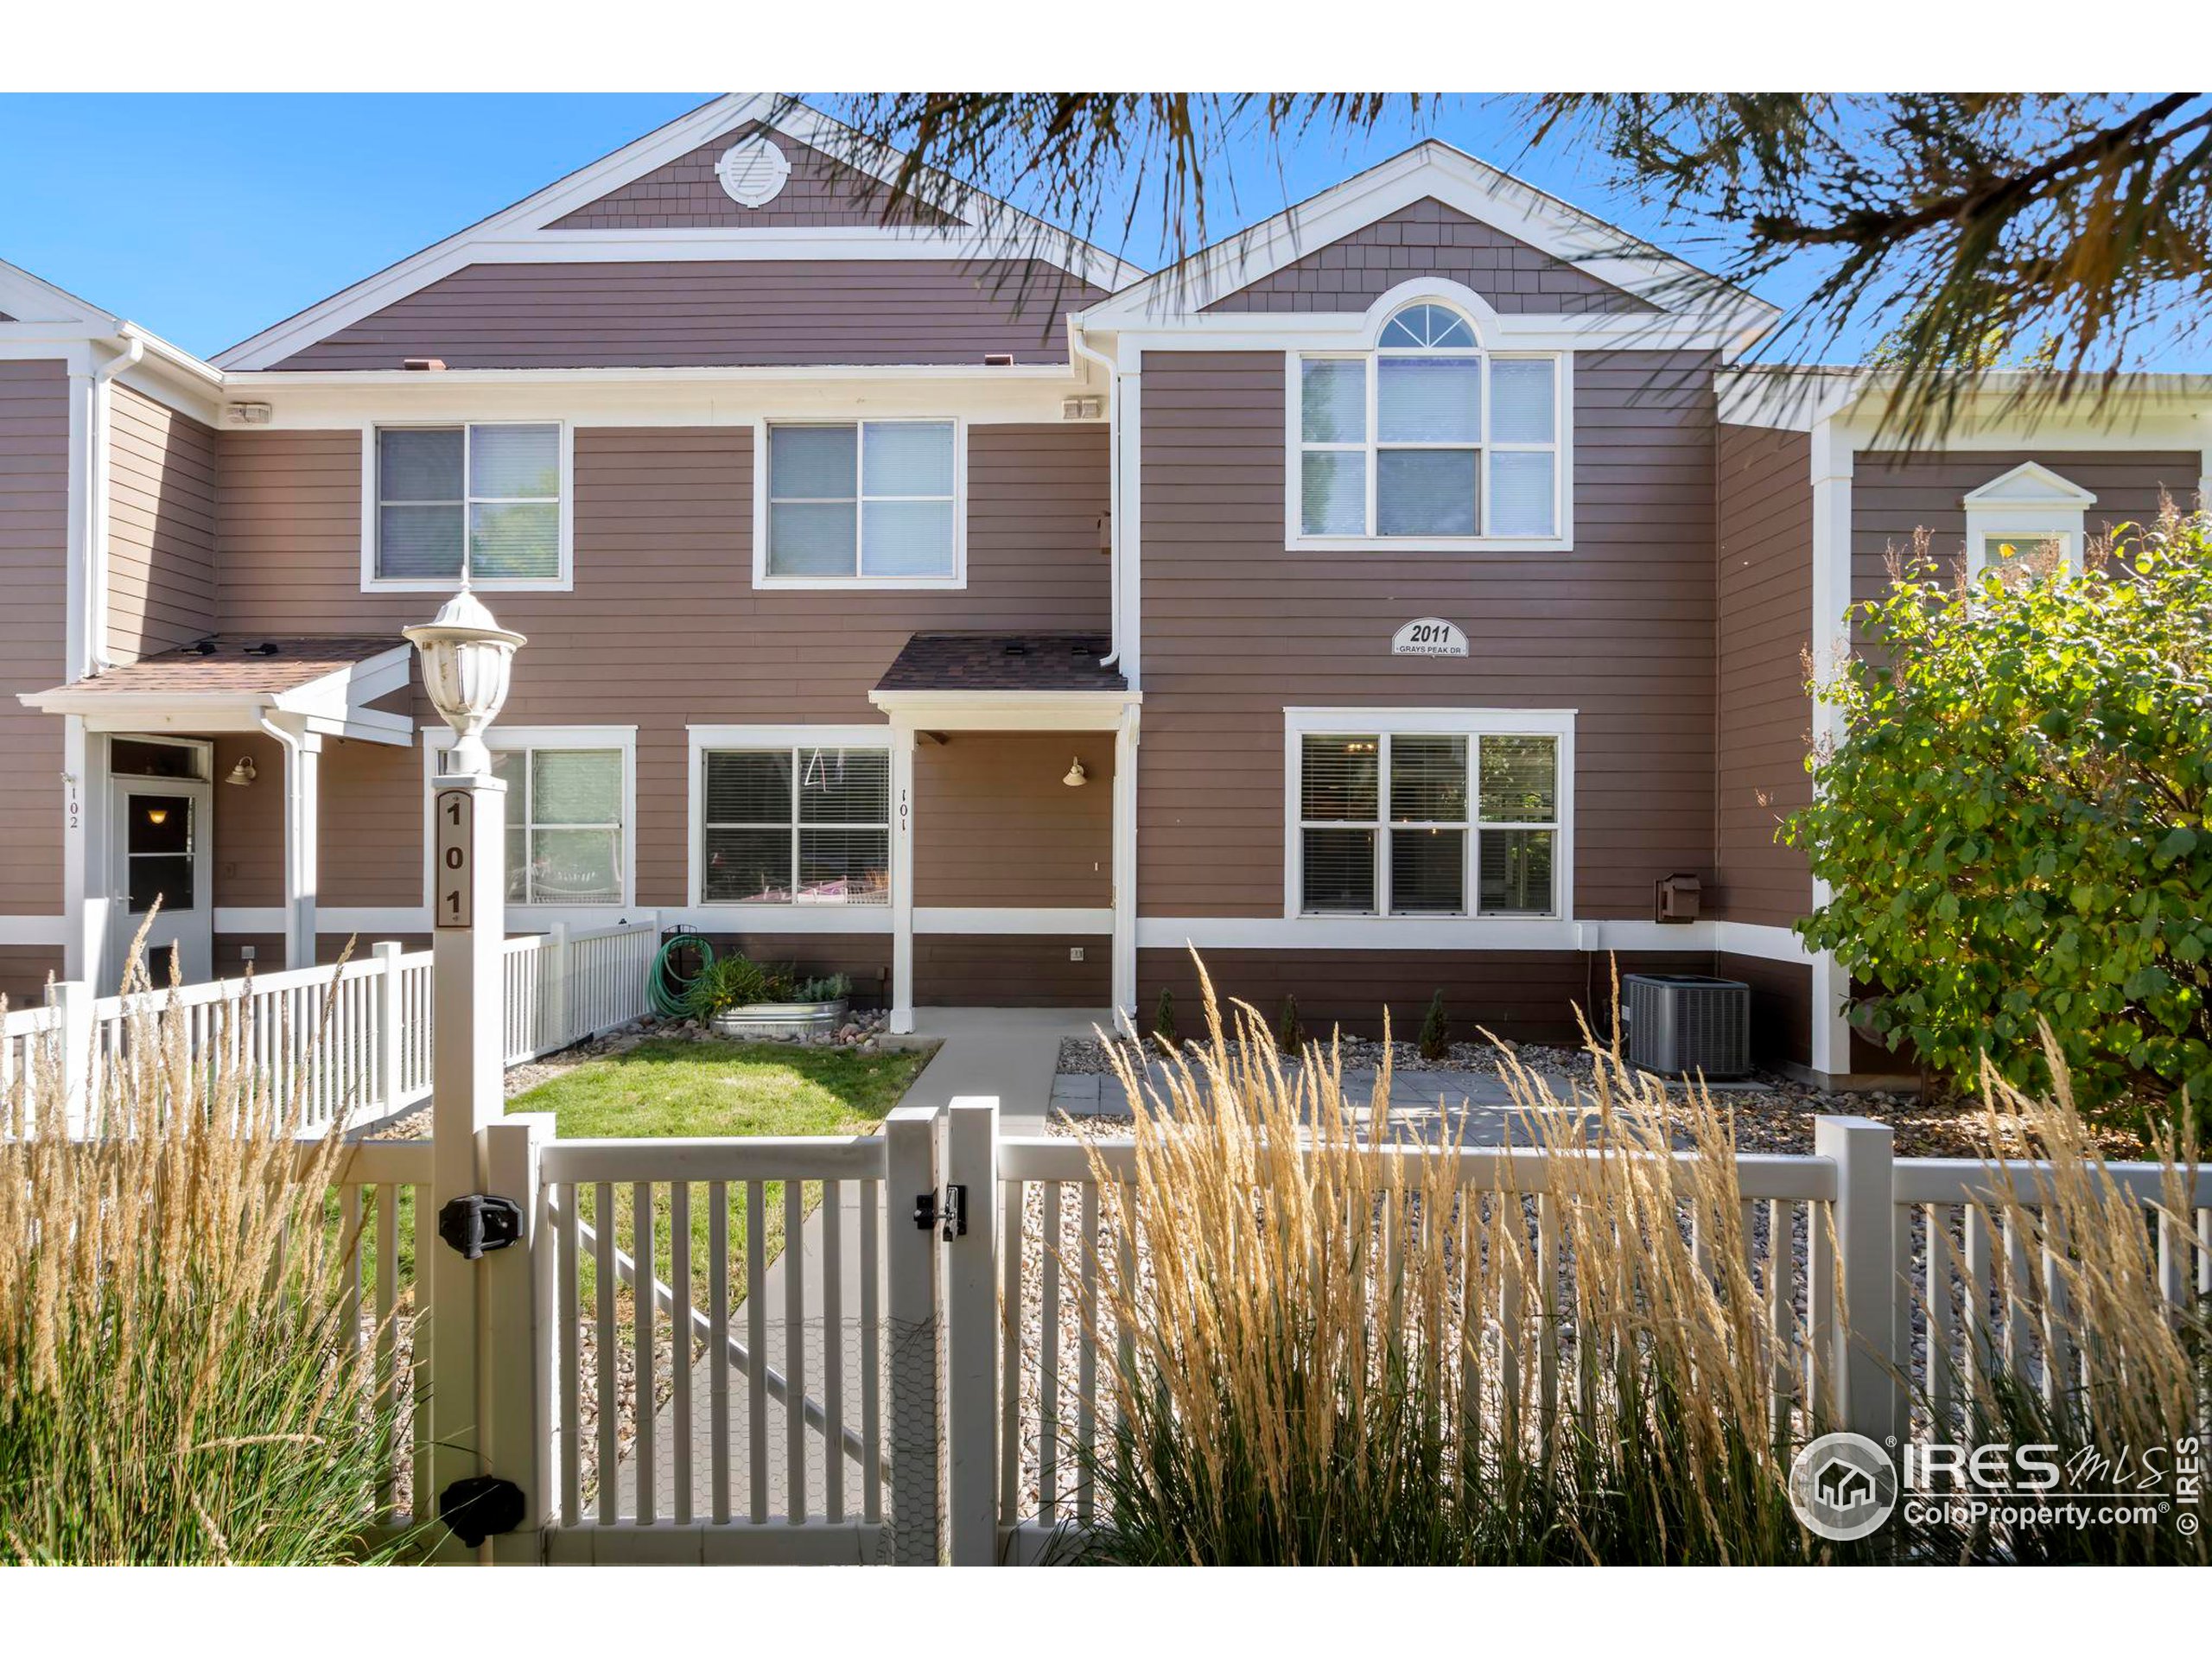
pixel 1386 599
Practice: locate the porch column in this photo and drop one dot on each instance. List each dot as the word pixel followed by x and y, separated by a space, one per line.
pixel 302 792
pixel 1831 478
pixel 1125 864
pixel 902 878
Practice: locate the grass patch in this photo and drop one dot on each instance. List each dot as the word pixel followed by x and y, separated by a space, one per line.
pixel 671 1089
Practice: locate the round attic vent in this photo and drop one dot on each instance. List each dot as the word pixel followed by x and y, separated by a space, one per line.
pixel 753 171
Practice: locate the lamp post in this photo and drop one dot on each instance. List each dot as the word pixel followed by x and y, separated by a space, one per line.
pixel 482 1400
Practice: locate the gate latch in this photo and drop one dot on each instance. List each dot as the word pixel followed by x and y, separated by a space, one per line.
pixel 479 1507
pixel 951 1211
pixel 480 1222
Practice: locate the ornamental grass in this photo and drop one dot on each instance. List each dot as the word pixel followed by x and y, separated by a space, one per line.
pixel 178 1380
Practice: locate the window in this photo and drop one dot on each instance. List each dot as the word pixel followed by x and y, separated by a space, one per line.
pixel 1433 822
pixel 866 501
pixel 2026 522
pixel 477 502
pixel 1428 437
pixel 795 824
pixel 564 826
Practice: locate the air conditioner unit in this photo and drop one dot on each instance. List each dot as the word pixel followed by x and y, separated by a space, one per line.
pixel 1684 1024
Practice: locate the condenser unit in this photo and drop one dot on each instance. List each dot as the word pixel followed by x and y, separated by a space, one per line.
pixel 1684 1024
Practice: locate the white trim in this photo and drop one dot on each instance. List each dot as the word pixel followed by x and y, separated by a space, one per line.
pixel 1011 919
pixel 1127 761
pixel 524 223
pixel 563 582
pixel 1460 181
pixel 35 930
pixel 2138 410
pixel 1483 320
pixel 1472 724
pixel 2029 503
pixel 763 579
pixel 1005 711
pixel 1832 462
pixel 1519 331
pixel 436 740
pixel 330 705
pixel 1460 933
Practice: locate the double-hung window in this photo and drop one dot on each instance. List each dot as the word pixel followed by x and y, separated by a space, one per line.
pixel 795 824
pixel 871 503
pixel 480 502
pixel 1432 822
pixel 1427 437
pixel 564 824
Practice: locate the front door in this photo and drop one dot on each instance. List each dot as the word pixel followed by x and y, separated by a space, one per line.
pixel 166 826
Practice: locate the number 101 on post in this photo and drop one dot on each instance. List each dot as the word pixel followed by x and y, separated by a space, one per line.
pixel 454 857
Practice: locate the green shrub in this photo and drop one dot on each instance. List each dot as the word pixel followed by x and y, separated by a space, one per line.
pixel 1163 1019
pixel 1290 1030
pixel 830 987
pixel 729 982
pixel 1435 1029
pixel 2013 824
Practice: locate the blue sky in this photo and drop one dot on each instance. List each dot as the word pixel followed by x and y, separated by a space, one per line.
pixel 206 218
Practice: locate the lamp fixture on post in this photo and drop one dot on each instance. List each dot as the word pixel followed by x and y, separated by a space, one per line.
pixel 1077 776
pixel 466 656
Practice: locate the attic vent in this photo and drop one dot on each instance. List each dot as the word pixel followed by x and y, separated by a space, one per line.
pixel 753 171
pixel 262 648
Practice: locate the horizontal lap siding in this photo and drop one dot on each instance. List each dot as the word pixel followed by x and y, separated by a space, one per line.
pixel 161 527
pixel 686 193
pixel 995 825
pixel 1235 628
pixel 23 971
pixel 33 611
pixel 865 958
pixel 1782 1006
pixel 954 970
pixel 1427 239
pixel 1764 629
pixel 664 628
pixel 681 313
pixel 1893 496
pixel 1521 995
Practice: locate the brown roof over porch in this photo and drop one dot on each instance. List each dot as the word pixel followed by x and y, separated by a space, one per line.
pixel 1003 662
pixel 234 682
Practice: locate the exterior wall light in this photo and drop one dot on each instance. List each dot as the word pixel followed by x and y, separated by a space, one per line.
pixel 243 772
pixel 1077 776
pixel 465 658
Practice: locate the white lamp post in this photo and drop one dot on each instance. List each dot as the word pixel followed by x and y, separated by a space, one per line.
pixel 466 656
pixel 482 1407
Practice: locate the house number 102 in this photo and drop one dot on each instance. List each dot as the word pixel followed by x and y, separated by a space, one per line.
pixel 457 847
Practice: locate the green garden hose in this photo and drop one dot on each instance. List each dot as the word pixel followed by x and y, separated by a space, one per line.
pixel 666 989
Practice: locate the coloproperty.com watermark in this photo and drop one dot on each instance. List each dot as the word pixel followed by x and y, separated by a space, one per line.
pixel 1846 1486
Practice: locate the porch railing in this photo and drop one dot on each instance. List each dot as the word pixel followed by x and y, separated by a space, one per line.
pixel 355 1041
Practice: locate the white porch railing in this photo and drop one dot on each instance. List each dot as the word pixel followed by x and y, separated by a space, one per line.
pixel 355 1041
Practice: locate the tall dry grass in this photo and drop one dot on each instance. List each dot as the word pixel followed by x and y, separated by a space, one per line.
pixel 2110 1362
pixel 177 1378
pixel 1337 1356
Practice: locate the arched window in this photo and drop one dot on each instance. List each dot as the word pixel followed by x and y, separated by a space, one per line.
pixel 1427 436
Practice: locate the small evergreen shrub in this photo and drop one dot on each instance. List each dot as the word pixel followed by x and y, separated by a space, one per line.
pixel 1435 1029
pixel 1163 1018
pixel 1290 1030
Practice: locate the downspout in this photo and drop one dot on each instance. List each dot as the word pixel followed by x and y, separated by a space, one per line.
pixel 1077 344
pixel 97 472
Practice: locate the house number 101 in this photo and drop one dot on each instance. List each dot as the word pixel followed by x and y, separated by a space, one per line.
pixel 456 848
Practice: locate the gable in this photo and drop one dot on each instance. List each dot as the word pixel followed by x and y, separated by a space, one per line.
pixel 2030 484
pixel 685 195
pixel 1429 238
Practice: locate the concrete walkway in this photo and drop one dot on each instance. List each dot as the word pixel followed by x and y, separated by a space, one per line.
pixel 1009 1053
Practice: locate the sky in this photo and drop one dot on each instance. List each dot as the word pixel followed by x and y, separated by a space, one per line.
pixel 207 217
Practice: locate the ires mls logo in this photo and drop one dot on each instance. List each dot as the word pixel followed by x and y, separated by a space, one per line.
pixel 1843 1486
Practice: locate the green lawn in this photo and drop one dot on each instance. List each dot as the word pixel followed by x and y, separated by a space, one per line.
pixel 664 1088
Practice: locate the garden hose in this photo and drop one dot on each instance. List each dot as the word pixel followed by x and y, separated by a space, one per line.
pixel 669 990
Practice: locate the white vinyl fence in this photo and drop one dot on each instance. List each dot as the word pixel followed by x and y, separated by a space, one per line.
pixel 356 1039
pixel 778 1351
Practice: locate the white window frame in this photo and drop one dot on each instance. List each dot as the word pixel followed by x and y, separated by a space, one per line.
pixel 372 444
pixel 2029 503
pixel 1473 724
pixel 856 582
pixel 1561 448
pixel 502 740
pixel 795 916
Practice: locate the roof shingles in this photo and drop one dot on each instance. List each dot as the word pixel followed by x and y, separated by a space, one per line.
pixel 1002 662
pixel 227 663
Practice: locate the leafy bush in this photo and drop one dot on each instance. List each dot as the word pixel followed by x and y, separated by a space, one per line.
pixel 830 987
pixel 727 983
pixel 2014 825
pixel 178 1383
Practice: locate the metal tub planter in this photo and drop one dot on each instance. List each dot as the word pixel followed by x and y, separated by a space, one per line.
pixel 786 1020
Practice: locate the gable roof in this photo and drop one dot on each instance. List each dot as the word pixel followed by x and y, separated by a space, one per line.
pixel 2030 484
pixel 1435 169
pixel 27 298
pixel 983 225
